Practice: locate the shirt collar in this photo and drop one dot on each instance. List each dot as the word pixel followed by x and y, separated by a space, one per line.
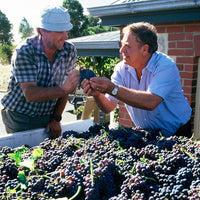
pixel 37 43
pixel 151 63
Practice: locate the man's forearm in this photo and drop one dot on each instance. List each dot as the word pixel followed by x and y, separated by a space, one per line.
pixel 60 105
pixel 40 94
pixel 139 99
pixel 105 104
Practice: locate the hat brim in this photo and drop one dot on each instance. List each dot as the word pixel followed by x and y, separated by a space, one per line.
pixel 57 27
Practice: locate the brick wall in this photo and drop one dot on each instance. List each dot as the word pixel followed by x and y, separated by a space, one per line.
pixel 184 48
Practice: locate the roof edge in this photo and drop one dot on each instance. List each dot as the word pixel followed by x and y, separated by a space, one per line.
pixel 97 45
pixel 143 7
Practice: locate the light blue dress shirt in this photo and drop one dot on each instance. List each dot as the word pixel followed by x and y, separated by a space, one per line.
pixel 160 77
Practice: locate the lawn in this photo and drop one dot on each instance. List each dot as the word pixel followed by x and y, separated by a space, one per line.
pixel 4 76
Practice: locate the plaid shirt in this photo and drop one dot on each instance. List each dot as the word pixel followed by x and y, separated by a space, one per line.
pixel 30 64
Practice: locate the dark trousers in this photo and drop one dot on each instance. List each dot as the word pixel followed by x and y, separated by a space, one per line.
pixel 16 122
pixel 185 130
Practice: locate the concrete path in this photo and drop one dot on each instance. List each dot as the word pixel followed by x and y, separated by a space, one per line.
pixel 68 115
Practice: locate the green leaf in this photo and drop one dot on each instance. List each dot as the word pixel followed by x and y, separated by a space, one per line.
pixel 38 152
pixel 16 156
pixel 22 178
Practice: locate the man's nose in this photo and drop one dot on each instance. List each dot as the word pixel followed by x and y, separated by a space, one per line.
pixel 122 49
pixel 65 35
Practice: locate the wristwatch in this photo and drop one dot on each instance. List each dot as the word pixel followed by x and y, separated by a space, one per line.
pixel 58 118
pixel 115 90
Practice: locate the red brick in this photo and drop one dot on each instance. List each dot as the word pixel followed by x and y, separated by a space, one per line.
pixel 126 123
pixel 188 97
pixel 185 44
pixel 185 60
pixel 191 68
pixel 180 67
pixel 192 28
pixel 176 52
pixel 173 37
pixel 196 60
pixel 175 29
pixel 161 29
pixel 121 115
pixel 197 45
pixel 187 90
pixel 172 44
pixel 189 52
pixel 188 75
pixel 188 82
pixel 122 109
pixel 189 36
pixel 121 103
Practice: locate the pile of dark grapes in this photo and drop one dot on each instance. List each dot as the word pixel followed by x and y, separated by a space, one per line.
pixel 103 164
pixel 86 73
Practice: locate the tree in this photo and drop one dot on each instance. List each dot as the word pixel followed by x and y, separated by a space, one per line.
pixel 25 29
pixel 96 27
pixel 82 24
pixel 6 37
pixel 78 19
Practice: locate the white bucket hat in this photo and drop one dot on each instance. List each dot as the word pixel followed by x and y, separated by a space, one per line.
pixel 55 19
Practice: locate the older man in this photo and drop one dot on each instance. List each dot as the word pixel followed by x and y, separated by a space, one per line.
pixel 43 74
pixel 147 81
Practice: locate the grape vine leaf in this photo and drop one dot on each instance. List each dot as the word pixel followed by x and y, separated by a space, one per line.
pixel 29 163
pixel 17 155
pixel 38 152
pixel 22 178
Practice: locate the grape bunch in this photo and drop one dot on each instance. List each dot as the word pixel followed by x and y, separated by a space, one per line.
pixel 86 74
pixel 103 164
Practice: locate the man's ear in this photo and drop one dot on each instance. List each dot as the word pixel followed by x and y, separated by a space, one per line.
pixel 145 48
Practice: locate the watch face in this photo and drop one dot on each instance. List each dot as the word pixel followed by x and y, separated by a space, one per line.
pixel 57 118
pixel 115 90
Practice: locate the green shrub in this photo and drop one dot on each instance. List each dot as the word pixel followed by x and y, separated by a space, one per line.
pixel 102 66
pixel 6 53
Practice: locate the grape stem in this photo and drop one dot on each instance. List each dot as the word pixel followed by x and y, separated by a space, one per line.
pixel 77 193
pixel 92 172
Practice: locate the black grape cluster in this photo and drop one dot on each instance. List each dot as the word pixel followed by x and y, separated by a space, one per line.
pixel 86 73
pixel 104 164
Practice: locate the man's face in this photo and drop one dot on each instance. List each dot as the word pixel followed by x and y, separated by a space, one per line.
pixel 131 50
pixel 54 40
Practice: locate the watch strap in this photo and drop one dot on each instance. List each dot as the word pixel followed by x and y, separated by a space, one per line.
pixel 58 118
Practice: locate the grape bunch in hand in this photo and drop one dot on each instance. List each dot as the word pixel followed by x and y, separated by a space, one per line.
pixel 86 73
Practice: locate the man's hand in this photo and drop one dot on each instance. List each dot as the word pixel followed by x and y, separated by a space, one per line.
pixel 54 128
pixel 96 85
pixel 88 89
pixel 71 82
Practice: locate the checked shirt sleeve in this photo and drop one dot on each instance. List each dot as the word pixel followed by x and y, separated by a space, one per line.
pixel 24 68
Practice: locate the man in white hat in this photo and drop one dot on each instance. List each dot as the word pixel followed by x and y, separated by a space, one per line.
pixel 43 74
